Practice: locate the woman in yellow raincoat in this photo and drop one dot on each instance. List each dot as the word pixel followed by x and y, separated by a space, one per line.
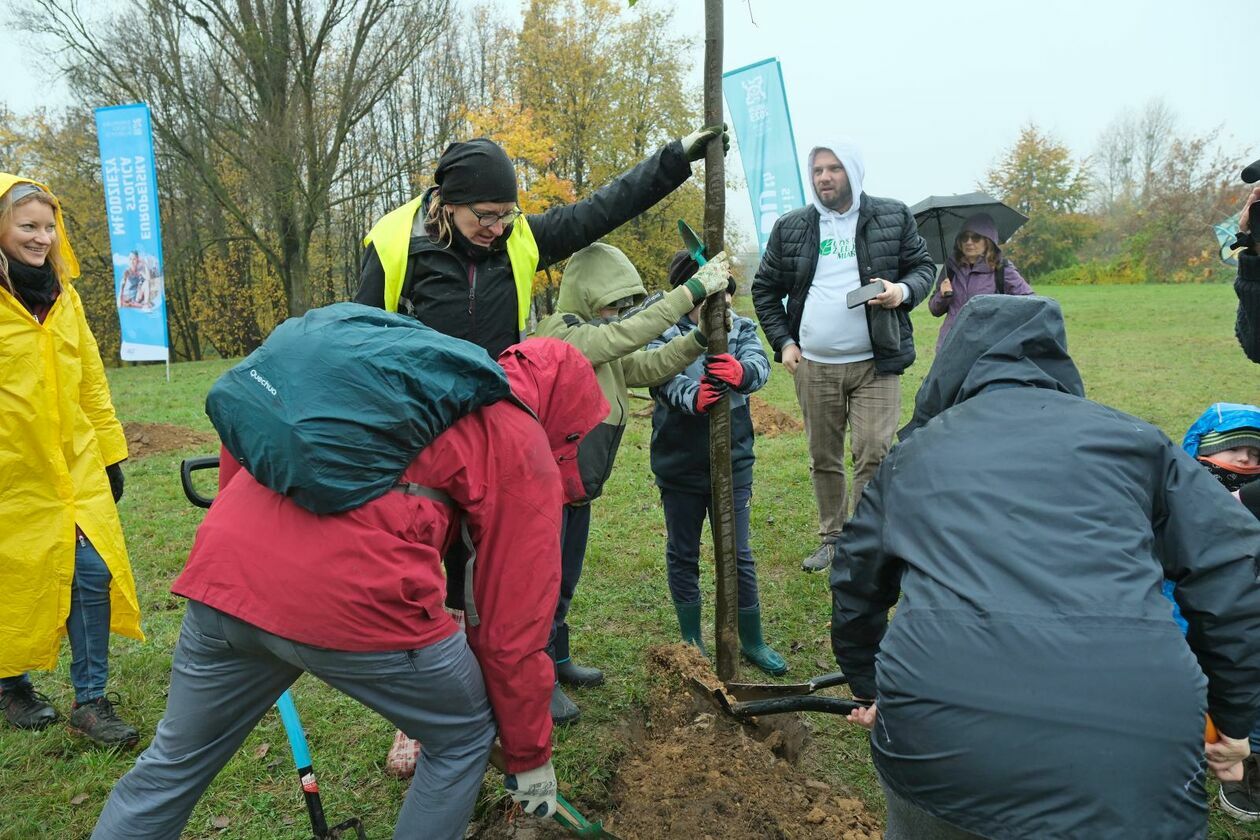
pixel 63 563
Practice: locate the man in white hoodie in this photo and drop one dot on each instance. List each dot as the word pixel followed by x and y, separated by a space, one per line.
pixel 846 362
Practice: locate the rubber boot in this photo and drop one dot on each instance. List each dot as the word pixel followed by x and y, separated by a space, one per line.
pixel 689 624
pixel 754 647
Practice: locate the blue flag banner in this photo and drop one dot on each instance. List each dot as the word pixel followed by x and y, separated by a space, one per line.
pixel 757 103
pixel 125 137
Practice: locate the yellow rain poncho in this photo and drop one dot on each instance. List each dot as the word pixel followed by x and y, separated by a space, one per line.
pixel 58 432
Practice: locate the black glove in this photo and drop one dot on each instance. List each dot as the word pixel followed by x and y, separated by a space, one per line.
pixel 1250 496
pixel 115 474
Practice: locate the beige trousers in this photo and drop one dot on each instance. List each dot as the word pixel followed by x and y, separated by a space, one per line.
pixel 833 398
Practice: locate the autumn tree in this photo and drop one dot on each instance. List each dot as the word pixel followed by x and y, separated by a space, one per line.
pixel 275 86
pixel 623 93
pixel 1039 177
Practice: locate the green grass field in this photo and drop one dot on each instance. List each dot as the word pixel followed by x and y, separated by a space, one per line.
pixel 1160 352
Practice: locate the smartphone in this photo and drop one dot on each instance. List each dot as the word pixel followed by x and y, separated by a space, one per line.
pixel 862 294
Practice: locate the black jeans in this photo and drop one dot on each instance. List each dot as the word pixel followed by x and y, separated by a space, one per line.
pixel 573 534
pixel 684 520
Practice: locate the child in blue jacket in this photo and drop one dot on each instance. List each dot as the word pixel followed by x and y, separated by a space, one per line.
pixel 680 463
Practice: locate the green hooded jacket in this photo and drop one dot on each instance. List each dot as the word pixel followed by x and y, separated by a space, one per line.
pixel 595 277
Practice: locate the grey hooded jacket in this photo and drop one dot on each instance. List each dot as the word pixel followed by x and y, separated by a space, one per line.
pixel 1033 682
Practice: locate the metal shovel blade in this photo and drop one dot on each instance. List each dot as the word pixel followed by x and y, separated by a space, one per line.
pixel 691 242
pixel 768 691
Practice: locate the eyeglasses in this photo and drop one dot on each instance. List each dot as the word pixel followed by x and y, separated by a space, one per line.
pixel 971 237
pixel 487 218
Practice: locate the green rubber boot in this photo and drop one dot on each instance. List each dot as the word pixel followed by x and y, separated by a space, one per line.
pixel 689 624
pixel 754 647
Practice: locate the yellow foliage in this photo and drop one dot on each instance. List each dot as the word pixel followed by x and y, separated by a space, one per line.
pixel 532 152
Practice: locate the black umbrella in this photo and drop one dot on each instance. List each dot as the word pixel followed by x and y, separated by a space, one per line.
pixel 941 217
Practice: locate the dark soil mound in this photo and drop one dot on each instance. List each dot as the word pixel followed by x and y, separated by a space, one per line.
pixel 144 439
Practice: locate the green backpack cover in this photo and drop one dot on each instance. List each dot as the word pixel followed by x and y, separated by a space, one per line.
pixel 335 404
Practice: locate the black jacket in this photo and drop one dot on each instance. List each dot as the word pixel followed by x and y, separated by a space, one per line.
pixel 476 301
pixel 1247 287
pixel 888 246
pixel 1032 682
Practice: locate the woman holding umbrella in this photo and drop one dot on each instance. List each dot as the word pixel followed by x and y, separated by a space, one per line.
pixel 976 267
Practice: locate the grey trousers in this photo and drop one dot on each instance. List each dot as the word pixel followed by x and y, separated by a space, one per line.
pixel 226 675
pixel 836 398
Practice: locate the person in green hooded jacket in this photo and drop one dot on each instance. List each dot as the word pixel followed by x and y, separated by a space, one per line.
pixel 603 310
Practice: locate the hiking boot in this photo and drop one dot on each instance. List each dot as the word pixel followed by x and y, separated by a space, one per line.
pixel 1241 800
pixel 97 721
pixel 26 708
pixel 570 673
pixel 563 710
pixel 820 559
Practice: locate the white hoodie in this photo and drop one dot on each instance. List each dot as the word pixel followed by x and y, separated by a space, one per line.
pixel 831 332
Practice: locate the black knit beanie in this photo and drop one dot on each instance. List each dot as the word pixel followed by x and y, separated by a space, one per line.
pixel 475 171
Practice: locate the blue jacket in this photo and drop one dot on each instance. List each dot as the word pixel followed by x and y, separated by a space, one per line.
pixel 680 437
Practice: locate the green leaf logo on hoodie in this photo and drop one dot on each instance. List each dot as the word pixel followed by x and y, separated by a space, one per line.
pixel 843 250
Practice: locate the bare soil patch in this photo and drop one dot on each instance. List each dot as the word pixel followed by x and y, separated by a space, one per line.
pixel 696 773
pixel 144 439
pixel 769 421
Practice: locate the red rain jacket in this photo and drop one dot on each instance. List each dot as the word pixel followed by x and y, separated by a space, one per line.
pixel 371 579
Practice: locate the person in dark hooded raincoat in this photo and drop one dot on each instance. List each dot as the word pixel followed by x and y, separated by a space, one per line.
pixel 1032 682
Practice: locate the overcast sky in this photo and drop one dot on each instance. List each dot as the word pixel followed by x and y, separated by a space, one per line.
pixel 934 92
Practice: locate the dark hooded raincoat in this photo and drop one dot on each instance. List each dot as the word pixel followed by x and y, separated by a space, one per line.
pixel 1033 682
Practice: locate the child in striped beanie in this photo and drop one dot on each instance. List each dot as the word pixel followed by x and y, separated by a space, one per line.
pixel 1226 440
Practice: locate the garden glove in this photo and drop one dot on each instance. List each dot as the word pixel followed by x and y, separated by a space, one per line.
pixel 115 474
pixel 709 393
pixel 534 790
pixel 695 143
pixel 711 278
pixel 725 368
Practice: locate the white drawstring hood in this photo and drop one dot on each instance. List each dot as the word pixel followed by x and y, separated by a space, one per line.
pixel 831 333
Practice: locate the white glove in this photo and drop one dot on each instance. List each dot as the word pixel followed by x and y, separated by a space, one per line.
pixel 714 275
pixel 534 790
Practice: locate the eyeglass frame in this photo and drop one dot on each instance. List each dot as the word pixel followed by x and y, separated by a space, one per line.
pixel 971 236
pixel 494 218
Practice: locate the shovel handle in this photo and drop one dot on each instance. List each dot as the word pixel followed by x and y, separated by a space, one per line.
pixel 828 680
pixel 565 814
pixel 805 703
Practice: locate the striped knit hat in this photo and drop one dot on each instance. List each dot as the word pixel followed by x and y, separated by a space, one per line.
pixel 1214 442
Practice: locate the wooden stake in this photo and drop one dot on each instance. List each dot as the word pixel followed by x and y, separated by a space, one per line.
pixel 727 602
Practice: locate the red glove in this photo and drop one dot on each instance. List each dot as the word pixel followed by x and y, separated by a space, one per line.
pixel 726 368
pixel 709 393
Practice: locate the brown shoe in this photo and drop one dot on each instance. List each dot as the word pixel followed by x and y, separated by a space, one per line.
pixel 97 721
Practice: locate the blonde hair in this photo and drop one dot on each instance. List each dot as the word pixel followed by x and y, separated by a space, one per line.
pixel 7 208
pixel 438 221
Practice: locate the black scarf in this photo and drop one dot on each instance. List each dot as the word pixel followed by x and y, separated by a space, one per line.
pixel 36 286
pixel 1232 480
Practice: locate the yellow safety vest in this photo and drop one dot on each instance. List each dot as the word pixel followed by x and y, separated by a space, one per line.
pixel 392 236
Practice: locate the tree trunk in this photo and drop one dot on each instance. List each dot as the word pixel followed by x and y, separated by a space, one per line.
pixel 727 601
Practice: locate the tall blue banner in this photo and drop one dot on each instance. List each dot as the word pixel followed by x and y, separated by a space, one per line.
pixel 135 239
pixel 758 107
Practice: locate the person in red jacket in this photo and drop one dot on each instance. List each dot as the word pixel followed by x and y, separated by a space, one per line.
pixel 356 599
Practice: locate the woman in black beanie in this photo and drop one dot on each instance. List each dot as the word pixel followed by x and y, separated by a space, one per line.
pixel 462 256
